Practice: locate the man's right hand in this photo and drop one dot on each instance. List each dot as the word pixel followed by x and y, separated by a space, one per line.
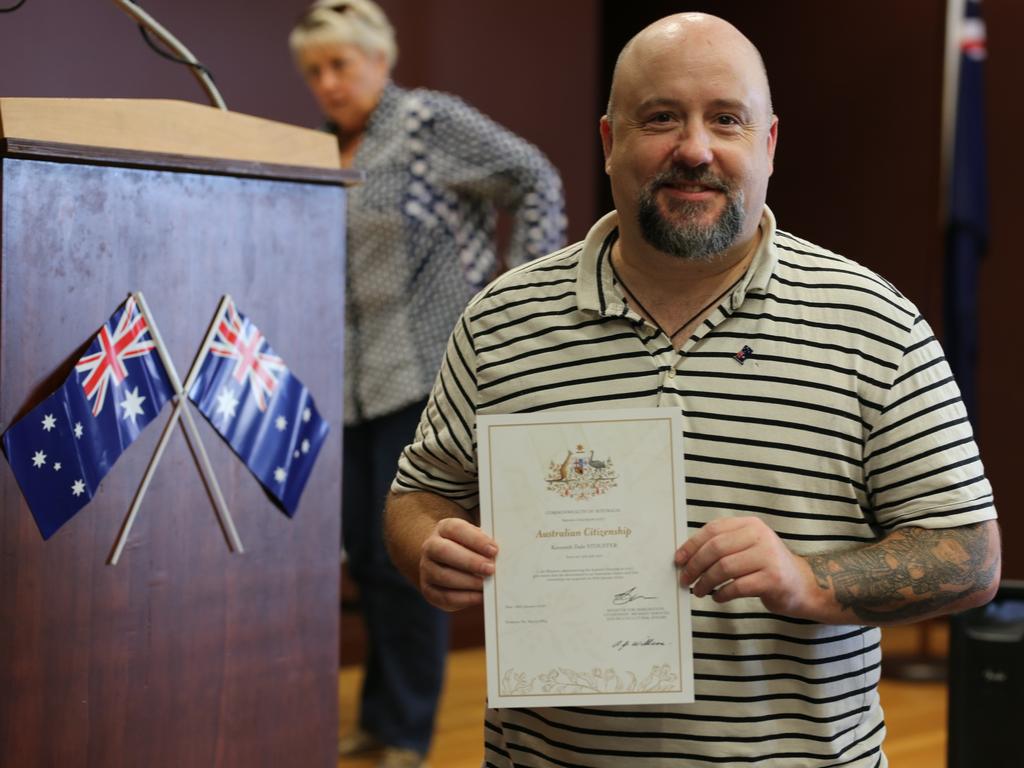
pixel 454 560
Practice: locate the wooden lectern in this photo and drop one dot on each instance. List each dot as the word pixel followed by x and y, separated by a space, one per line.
pixel 183 654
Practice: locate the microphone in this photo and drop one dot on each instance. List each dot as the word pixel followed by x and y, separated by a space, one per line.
pixel 147 22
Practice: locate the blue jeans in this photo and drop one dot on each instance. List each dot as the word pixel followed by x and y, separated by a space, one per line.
pixel 407 637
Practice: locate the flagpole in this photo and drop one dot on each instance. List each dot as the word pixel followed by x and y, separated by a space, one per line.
pixel 950 85
pixel 191 430
pixel 192 433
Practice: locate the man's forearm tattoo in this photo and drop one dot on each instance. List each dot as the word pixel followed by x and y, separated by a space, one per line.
pixel 911 573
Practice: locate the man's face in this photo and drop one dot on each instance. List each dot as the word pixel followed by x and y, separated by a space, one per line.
pixel 346 82
pixel 690 145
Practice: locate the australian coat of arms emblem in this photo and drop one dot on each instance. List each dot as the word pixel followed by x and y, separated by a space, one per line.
pixel 579 475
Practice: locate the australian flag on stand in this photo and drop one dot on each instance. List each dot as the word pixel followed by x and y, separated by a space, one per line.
pixel 967 228
pixel 62 449
pixel 264 412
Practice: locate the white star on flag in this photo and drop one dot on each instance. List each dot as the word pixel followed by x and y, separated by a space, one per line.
pixel 226 404
pixel 39 459
pixel 78 429
pixel 280 474
pixel 78 488
pixel 305 446
pixel 132 404
pixel 307 414
pixel 281 423
pixel 56 466
pixel 49 422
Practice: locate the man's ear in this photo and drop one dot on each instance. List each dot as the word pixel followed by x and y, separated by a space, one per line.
pixel 773 140
pixel 606 140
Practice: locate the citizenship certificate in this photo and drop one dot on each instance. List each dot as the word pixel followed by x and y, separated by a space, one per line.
pixel 585 607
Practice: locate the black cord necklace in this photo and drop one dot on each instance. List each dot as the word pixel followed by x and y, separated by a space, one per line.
pixel 657 325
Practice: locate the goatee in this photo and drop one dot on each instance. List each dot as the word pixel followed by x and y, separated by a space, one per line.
pixel 684 237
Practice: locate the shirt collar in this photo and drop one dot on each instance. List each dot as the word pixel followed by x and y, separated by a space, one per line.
pixel 595 284
pixel 387 107
pixel 384 112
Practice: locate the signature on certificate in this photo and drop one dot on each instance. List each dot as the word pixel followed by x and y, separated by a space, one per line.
pixel 621 598
pixel 647 642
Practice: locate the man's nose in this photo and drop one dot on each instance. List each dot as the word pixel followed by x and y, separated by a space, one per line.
pixel 693 146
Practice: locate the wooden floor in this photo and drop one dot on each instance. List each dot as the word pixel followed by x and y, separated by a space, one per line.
pixel 458 742
pixel 915 714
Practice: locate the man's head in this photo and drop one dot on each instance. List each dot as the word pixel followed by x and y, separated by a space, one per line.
pixel 689 138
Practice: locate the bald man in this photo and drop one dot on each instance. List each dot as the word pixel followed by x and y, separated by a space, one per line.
pixel 832 481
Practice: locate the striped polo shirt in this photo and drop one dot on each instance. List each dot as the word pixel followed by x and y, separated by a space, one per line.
pixel 815 397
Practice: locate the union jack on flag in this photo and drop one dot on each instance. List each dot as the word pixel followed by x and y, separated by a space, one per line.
pixel 62 449
pixel 127 340
pixel 241 341
pixel 259 407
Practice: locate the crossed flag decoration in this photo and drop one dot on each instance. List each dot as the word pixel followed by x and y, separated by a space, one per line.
pixel 61 450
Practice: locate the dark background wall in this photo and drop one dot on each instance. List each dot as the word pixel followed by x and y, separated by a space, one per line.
pixel 510 61
pixel 857 86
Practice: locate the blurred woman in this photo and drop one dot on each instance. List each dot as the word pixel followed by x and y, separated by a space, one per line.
pixel 421 242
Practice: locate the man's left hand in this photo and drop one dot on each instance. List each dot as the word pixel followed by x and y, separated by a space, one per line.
pixel 742 557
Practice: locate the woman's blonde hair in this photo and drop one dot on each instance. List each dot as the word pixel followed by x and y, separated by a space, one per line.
pixel 355 22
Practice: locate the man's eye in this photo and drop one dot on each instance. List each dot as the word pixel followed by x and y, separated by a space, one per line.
pixel 727 120
pixel 661 117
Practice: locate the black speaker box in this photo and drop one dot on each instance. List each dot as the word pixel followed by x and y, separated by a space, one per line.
pixel 986 683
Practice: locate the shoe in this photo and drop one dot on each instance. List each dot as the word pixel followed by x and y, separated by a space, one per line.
pixel 359 742
pixel 397 757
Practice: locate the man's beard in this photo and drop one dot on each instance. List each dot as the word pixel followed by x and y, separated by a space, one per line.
pixel 689 240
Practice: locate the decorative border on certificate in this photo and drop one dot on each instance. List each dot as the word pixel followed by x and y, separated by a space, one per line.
pixel 584 608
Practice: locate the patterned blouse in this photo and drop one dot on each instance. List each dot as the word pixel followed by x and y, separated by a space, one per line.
pixel 421 237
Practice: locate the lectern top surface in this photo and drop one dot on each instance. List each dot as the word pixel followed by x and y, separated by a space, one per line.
pixel 166 127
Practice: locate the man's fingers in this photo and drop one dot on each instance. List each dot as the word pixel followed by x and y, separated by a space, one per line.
pixel 468 535
pixel 715 559
pixel 452 600
pixel 723 570
pixel 452 554
pixel 454 561
pixel 443 577
pixel 711 530
pixel 749 585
